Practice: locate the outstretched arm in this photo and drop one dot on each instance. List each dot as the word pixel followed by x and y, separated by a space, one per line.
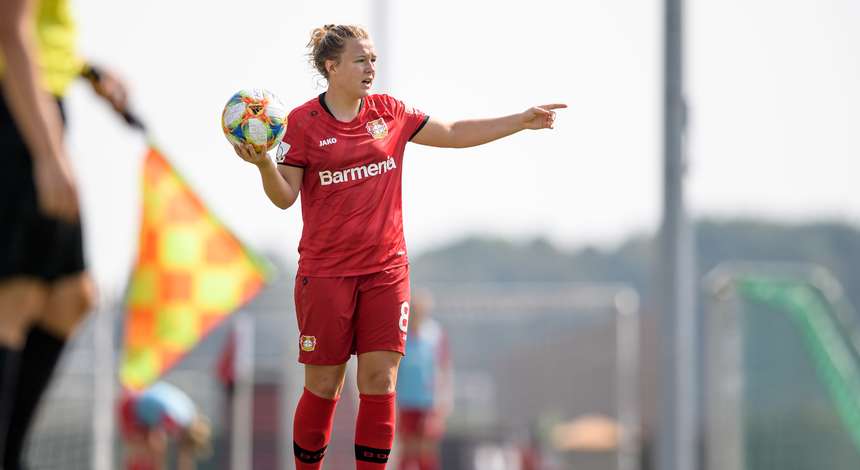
pixel 472 132
pixel 35 113
pixel 280 182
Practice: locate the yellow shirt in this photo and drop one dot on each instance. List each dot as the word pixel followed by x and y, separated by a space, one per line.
pixel 56 35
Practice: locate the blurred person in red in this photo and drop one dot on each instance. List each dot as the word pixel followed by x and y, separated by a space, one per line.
pixel 225 368
pixel 148 419
pixel 424 389
pixel 45 290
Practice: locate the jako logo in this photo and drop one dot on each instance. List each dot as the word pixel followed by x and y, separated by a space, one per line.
pixel 329 141
pixel 360 172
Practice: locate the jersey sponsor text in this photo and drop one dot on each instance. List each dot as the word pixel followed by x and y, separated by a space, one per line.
pixel 328 177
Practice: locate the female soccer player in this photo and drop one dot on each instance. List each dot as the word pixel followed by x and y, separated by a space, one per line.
pixel 343 150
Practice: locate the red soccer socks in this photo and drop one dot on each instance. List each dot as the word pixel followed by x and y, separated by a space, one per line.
pixel 312 429
pixel 374 431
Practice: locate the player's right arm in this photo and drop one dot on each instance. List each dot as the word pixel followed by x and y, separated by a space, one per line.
pixel 280 182
pixel 36 114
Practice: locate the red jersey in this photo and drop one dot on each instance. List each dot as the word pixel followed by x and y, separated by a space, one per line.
pixel 351 190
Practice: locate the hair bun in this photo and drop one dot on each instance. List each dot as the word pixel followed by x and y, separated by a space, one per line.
pixel 318 34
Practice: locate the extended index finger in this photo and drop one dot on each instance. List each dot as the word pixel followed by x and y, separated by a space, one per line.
pixel 550 107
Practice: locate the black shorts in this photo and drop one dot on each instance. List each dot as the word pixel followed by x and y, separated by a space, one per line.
pixel 31 244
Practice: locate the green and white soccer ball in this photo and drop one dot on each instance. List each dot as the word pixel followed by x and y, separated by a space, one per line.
pixel 254 116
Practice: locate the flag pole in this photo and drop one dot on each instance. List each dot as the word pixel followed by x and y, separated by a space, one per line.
pixel 104 360
pixel 677 430
pixel 242 437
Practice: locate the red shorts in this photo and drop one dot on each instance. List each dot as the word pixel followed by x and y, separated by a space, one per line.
pixel 339 316
pixel 420 423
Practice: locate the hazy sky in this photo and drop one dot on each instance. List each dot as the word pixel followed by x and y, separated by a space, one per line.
pixel 772 86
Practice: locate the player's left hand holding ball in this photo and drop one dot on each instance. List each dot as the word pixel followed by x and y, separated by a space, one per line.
pixel 541 117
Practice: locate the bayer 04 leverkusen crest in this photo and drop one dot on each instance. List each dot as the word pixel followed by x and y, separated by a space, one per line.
pixel 377 128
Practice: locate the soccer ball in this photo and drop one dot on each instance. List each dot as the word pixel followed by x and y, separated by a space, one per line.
pixel 254 116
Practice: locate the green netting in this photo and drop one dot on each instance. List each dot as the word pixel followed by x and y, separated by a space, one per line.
pixel 802 380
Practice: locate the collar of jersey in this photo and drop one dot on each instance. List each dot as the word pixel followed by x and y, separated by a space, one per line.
pixel 325 107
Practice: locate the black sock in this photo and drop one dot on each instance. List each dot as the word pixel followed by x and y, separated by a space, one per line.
pixel 38 360
pixel 8 374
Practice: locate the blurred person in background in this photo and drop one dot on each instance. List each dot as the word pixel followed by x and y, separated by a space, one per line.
pixel 424 389
pixel 45 291
pixel 149 419
pixel 344 151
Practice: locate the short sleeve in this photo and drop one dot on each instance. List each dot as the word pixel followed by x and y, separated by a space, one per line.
pixel 412 119
pixel 291 151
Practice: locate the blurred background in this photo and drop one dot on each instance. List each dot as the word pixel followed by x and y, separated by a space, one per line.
pixel 541 250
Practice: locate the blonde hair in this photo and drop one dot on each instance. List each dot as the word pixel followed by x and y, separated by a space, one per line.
pixel 328 42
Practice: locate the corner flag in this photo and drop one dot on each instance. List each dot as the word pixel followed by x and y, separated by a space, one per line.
pixel 191 274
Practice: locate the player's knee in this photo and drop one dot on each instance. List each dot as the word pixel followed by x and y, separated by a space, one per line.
pixel 324 385
pixel 377 381
pixel 377 372
pixel 77 301
pixel 22 297
pixel 85 296
pixel 68 304
pixel 21 301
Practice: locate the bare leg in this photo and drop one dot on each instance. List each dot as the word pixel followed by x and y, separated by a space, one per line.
pixel 21 301
pixel 325 381
pixel 68 302
pixel 377 372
